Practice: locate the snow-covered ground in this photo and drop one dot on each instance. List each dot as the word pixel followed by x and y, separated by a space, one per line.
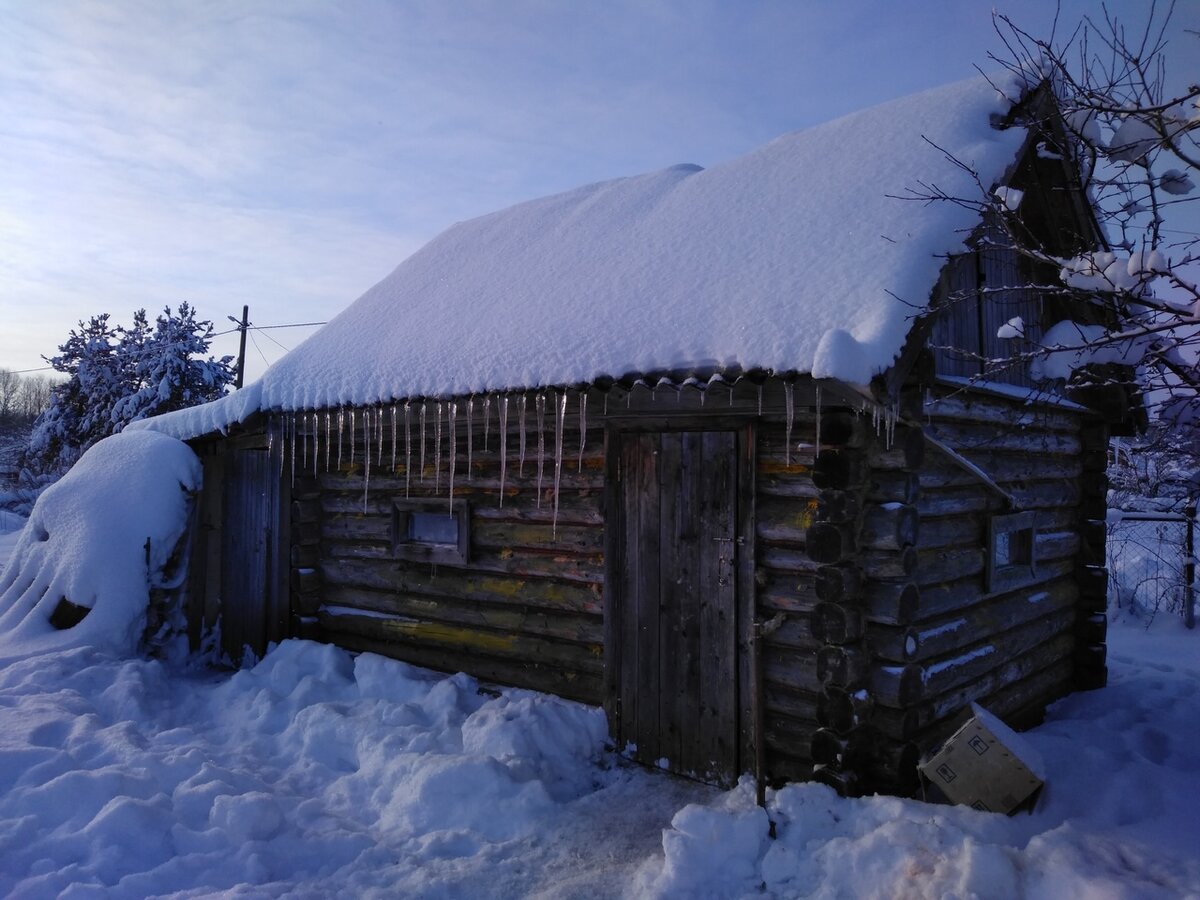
pixel 317 774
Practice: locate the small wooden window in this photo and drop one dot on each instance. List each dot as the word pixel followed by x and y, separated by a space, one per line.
pixel 1012 556
pixel 430 531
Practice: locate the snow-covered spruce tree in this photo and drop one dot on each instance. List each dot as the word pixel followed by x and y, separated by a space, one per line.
pixel 117 375
pixel 1136 145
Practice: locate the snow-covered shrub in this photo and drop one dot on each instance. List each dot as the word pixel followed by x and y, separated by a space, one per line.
pixel 96 546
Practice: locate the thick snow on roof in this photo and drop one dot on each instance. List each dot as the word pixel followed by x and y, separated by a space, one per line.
pixel 791 258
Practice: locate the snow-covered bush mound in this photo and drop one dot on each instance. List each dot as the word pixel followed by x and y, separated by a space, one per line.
pixel 81 574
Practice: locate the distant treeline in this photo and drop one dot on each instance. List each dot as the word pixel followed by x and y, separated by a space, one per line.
pixel 24 397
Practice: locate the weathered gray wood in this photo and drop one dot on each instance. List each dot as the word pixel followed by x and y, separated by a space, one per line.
pixel 495 616
pixel 392 576
pixel 955 403
pixel 838 584
pixel 889 527
pixel 965 664
pixel 892 602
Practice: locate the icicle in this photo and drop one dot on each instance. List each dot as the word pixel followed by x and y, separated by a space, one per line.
pixel 421 416
pixel 503 412
pixel 487 419
pixel 437 448
pixel 818 389
pixel 789 413
pixel 351 435
pixel 292 449
pixel 341 422
pixel 470 429
pixel 521 435
pixel 304 456
pixel 407 446
pixel 316 439
pixel 366 455
pixel 558 456
pixel 540 411
pixel 760 393
pixel 453 414
pixel 606 403
pixel 379 434
pixel 393 438
pixel 328 437
pixel 583 397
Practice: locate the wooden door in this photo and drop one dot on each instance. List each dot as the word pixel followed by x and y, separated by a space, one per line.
pixel 245 557
pixel 673 586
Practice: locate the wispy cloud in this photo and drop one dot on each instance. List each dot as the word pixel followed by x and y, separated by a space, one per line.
pixel 287 155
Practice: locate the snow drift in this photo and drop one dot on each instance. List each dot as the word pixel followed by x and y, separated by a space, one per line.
pixel 86 543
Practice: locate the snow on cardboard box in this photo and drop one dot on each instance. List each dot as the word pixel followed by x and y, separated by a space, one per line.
pixel 986 765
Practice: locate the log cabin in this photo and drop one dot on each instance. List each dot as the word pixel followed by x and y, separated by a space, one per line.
pixel 728 451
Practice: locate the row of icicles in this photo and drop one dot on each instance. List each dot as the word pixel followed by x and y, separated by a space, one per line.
pixel 410 419
pixel 414 415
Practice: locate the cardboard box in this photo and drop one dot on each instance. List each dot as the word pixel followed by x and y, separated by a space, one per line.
pixel 986 765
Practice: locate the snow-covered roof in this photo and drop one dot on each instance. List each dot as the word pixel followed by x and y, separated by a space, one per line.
pixel 796 257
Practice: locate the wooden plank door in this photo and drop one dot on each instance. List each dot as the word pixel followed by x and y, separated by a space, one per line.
pixel 245 558
pixel 676 601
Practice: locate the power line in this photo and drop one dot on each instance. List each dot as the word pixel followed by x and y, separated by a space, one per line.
pixel 259 349
pixel 272 340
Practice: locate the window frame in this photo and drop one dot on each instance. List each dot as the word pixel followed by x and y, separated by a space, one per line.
pixel 449 553
pixel 1006 577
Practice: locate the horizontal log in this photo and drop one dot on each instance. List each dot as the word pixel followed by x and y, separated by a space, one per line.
pixel 951 531
pixel 790 737
pixel 839 750
pixel 883 564
pixel 967 664
pixel 954 596
pixel 503 617
pixel 1002 692
pixel 782 700
pixel 964 501
pixel 838 506
pixel 798 485
pixel 971 406
pixel 847 666
pixel 306 510
pixel 891 526
pixel 784 521
pixel 306 603
pixel 586 687
pixel 1002 468
pixel 305 579
pixel 793 632
pixel 971 624
pixel 400 578
pixel 896 644
pixel 839 470
pixel 898 685
pixel 778 592
pixel 906 450
pixel 891 602
pixel 884 486
pixel 793 669
pixel 966 437
pixel 551 566
pixel 838 584
pixel 936 567
pixel 844 710
pixel 782 559
pixel 459 644
pixel 1092 628
pixel 834 623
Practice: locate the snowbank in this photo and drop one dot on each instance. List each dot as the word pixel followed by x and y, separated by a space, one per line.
pixel 85 542
pixel 1116 820
pixel 795 257
pixel 320 774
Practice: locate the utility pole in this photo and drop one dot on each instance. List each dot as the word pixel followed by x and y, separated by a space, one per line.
pixel 243 326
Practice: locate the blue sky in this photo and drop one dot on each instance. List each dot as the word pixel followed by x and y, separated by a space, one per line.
pixel 289 155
